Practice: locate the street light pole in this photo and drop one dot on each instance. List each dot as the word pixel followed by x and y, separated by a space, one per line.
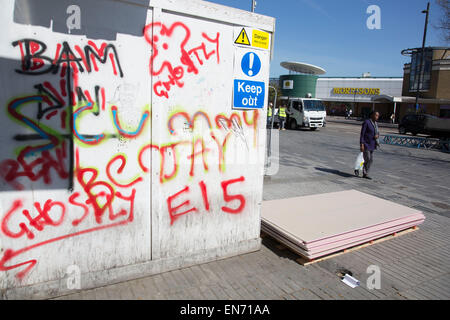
pixel 422 56
pixel 253 5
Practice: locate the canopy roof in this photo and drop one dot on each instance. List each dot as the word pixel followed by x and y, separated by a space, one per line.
pixel 407 99
pixel 302 67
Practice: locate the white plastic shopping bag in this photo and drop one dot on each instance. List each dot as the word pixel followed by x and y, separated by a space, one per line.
pixel 359 162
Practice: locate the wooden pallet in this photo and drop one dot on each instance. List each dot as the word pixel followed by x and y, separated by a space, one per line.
pixel 306 261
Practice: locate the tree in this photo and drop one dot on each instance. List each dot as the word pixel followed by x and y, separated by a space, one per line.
pixel 444 21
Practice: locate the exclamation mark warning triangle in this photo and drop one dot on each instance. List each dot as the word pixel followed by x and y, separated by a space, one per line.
pixel 242 38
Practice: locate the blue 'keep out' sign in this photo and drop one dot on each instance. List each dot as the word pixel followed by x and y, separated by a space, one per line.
pixel 251 64
pixel 248 94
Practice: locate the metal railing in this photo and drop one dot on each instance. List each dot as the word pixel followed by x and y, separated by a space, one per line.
pixel 442 144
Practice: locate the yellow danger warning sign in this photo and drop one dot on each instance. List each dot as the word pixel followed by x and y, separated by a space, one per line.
pixel 242 38
pixel 260 39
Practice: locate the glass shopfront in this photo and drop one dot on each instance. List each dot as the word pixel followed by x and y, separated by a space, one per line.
pixel 425 77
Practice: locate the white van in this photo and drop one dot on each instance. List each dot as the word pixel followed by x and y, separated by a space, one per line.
pixel 305 112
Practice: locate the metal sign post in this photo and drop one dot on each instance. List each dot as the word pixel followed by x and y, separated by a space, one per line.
pixel 269 147
pixel 253 5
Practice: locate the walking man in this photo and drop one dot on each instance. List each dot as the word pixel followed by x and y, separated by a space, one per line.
pixel 369 141
pixel 269 115
pixel 282 116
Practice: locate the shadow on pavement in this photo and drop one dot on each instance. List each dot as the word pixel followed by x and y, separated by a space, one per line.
pixel 336 172
pixel 279 249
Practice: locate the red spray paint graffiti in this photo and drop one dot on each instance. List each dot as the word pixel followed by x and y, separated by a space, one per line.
pixel 47 214
pixel 41 167
pixel 162 39
pixel 95 200
pixel 177 211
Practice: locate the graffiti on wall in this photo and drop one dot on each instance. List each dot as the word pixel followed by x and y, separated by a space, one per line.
pixel 54 111
pixel 188 57
pixel 57 96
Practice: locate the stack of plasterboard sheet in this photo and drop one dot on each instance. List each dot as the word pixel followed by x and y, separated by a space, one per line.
pixel 318 225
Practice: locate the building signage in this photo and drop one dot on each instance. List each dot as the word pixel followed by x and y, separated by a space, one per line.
pixel 288 84
pixel 260 39
pixel 242 38
pixel 249 94
pixel 358 91
pixel 251 68
pixel 257 39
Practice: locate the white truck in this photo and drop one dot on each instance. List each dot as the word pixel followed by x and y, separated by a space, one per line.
pixel 305 112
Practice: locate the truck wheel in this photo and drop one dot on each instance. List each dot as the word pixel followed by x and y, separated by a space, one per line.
pixel 402 130
pixel 293 124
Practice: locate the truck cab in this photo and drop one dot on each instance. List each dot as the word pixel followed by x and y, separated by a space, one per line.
pixel 305 112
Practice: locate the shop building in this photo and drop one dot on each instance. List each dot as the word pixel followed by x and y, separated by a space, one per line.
pixel 339 94
pixel 301 81
pixel 387 95
pixel 434 86
pixel 357 94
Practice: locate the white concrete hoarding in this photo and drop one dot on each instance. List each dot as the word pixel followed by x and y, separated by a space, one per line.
pixel 122 154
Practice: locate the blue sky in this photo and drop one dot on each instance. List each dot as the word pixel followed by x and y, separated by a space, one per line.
pixel 333 34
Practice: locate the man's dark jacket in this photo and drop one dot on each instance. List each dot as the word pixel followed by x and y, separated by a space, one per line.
pixel 368 136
